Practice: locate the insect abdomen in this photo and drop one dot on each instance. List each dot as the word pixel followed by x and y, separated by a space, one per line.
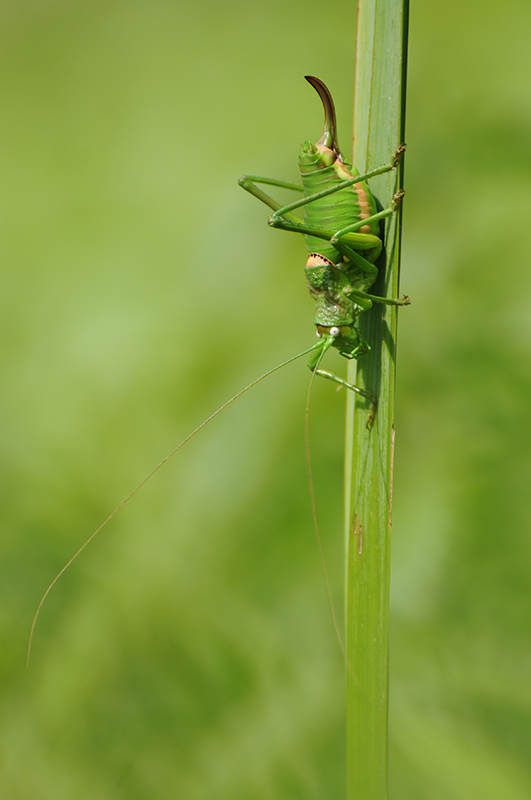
pixel 338 210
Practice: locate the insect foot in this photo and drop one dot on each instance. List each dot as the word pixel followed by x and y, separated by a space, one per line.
pixel 396 199
pixel 399 151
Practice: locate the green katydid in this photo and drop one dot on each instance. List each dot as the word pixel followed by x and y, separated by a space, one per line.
pixel 341 228
pixel 341 223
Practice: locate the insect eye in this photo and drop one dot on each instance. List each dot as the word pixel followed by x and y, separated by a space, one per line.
pixel 334 331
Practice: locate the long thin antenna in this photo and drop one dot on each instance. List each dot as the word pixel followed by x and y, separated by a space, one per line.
pixel 150 475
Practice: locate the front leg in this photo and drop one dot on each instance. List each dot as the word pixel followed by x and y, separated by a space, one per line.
pixel 314 363
pixel 330 375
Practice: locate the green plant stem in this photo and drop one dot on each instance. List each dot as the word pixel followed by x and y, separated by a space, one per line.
pixel 378 129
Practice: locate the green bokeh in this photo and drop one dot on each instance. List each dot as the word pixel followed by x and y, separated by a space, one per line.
pixel 189 652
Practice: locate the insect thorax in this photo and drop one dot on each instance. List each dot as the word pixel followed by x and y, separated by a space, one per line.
pixel 326 284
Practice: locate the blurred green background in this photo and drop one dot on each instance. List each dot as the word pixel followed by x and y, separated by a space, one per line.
pixel 189 652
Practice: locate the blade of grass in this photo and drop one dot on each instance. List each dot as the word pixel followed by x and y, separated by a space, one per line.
pixel 378 129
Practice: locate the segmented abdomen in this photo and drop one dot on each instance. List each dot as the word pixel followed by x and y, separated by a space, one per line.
pixel 339 209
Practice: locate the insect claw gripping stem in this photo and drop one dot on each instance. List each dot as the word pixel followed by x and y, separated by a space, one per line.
pixel 397 197
pixel 398 153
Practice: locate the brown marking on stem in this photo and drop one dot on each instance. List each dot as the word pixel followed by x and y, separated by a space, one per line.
pixel 357 530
